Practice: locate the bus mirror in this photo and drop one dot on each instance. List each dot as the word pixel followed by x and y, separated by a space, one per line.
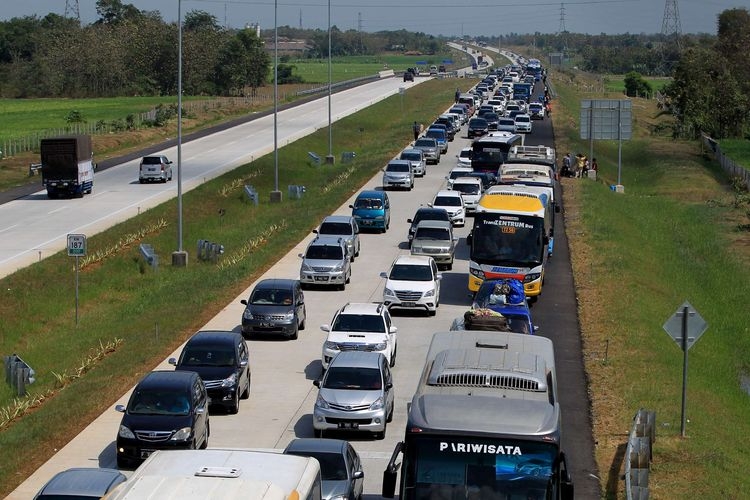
pixel 468 239
pixel 389 483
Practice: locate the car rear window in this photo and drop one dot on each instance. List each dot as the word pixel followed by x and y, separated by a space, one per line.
pixel 151 160
pixel 325 252
pixel 338 228
pixel 448 201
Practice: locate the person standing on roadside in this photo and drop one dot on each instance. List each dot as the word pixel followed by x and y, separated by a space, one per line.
pixel 458 94
pixel 416 128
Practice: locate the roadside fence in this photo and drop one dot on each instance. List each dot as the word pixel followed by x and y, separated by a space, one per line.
pixel 734 170
pixel 638 455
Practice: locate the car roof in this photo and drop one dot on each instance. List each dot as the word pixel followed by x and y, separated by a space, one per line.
pixel 399 162
pixel 413 150
pixel 327 240
pixel 213 337
pixel 316 445
pixel 336 218
pixel 275 284
pixel 82 481
pixel 412 260
pixel 371 193
pixel 357 359
pixel 160 379
pixel 448 192
pixel 372 308
pixel 467 180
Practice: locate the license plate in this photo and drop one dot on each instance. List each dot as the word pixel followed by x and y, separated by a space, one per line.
pixel 266 325
pixel 408 304
pixel 321 278
pixel 366 222
pixel 146 453
pixel 348 425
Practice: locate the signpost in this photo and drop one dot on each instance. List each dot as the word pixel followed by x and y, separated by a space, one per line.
pixel 603 119
pixel 685 326
pixel 77 249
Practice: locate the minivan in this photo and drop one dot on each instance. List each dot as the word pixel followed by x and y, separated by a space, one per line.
pixel 276 306
pixel 440 135
pixel 372 210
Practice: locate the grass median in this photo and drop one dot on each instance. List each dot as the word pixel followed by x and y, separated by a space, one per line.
pixel 132 316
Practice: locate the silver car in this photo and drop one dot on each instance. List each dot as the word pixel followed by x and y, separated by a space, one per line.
pixel 398 174
pixel 326 262
pixel 416 157
pixel 430 148
pixel 435 239
pixel 155 168
pixel 355 394
pixel 342 226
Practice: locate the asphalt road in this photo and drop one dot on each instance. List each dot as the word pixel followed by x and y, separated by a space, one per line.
pixel 282 394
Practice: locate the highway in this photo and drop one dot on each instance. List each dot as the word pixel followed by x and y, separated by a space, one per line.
pixel 282 394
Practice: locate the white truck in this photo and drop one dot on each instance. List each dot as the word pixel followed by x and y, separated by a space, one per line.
pixel 222 474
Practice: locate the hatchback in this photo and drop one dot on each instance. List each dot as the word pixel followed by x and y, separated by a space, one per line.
pixel 417 160
pixel 398 174
pixel 80 483
pixel 275 307
pixel 341 468
pixel 453 203
pixel 222 360
pixel 167 410
pixel 155 168
pixel 355 394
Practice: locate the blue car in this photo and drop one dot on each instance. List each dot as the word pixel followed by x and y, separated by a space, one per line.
pixel 372 210
pixel 512 305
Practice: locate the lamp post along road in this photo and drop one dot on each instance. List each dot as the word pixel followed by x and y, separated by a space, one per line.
pixel 330 159
pixel 275 194
pixel 179 258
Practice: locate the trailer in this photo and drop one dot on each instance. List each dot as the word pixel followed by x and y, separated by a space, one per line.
pixel 67 166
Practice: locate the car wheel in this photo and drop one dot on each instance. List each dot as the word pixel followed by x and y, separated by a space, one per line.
pixel 122 463
pixel 302 325
pixel 294 334
pixel 141 181
pixel 204 444
pixel 342 286
pixel 393 358
pixel 246 392
pixel 450 266
pixel 389 417
pixel 431 313
pixel 235 406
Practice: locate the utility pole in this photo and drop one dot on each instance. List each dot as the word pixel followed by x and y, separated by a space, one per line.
pixel 71 10
pixel 671 32
pixel 561 30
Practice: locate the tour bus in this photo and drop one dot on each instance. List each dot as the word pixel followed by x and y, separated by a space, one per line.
pixel 222 474
pixel 484 422
pixel 509 239
pixel 536 154
pixel 529 174
pixel 488 153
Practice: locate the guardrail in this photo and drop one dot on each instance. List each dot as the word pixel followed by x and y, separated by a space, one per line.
pixel 638 455
pixel 732 169
pixel 18 374
pixel 324 88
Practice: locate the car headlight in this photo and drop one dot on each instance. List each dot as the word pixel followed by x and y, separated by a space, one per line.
pixel 339 497
pixel 531 277
pixel 230 381
pixel 387 291
pixel 126 433
pixel 460 211
pixel 182 434
pixel 380 346
pixel 378 404
pixel 338 268
pixel 477 272
pixel 380 217
pixel 321 403
pixel 430 293
pixel 306 268
pixel 289 315
pixel 333 346
pixel 247 314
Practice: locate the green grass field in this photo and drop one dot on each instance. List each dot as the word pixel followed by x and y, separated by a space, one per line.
pixel 616 83
pixel 737 149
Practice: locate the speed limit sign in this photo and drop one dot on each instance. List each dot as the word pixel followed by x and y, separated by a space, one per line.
pixel 76 245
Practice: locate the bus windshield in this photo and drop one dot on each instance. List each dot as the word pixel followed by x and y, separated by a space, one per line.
pixel 512 240
pixel 486 468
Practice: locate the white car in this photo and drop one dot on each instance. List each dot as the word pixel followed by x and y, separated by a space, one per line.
pixel 463 159
pixel 453 203
pixel 523 124
pixel 412 283
pixel 360 327
pixel 471 191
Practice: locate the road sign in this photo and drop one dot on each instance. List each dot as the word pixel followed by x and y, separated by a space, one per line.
pixel 695 325
pixel 76 245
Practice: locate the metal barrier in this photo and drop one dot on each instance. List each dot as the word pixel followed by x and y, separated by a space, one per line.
pixel 732 168
pixel 149 254
pixel 209 251
pixel 252 194
pixel 18 374
pixel 347 156
pixel 296 192
pixel 34 168
pixel 314 157
pixel 638 455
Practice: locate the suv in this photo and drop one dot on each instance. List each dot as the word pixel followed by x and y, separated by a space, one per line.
pixel 355 394
pixel 362 326
pixel 398 173
pixel 477 128
pixel 343 226
pixel 416 158
pixel 155 168
pixel 453 203
pixel 426 213
pixel 413 282
pixel 326 262
pixel 471 191
pixel 222 360
pixel 275 306
pixel 372 210
pixel 167 410
pixel 434 238
pixel 430 148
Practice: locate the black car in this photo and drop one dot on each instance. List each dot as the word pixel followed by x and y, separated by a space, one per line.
pixel 477 127
pixel 408 76
pixel 450 129
pixel 493 119
pixel 276 307
pixel 426 213
pixel 340 466
pixel 222 360
pixel 167 410
pixel 488 178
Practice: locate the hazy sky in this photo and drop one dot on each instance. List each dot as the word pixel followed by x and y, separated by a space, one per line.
pixel 469 17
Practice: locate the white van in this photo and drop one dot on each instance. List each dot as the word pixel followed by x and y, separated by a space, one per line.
pixel 222 474
pixel 470 189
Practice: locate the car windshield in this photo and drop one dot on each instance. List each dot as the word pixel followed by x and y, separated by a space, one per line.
pixel 353 378
pixel 358 323
pixel 405 272
pixel 506 121
pixel 332 465
pixel 370 203
pixel 159 402
pixel 425 144
pixel 411 156
pixel 325 252
pixel 432 233
pixel 207 356
pixel 478 122
pixel 397 167
pixel 466 188
pixel 465 153
pixel 522 119
pixel 447 201
pixel 267 296
pixel 337 228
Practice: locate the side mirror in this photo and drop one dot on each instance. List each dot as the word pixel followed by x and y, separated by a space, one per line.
pixel 384 275
pixel 392 329
pixel 439 277
pixel 316 382
pixel 120 408
pixel 359 474
pixel 172 361
pixel 325 328
pixel 351 206
pixel 243 302
pixel 301 256
pixel 409 221
pixel 315 231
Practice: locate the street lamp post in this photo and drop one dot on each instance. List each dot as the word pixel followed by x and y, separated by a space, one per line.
pixel 275 194
pixel 179 258
pixel 330 158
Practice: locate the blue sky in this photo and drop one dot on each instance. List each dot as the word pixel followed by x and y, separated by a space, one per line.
pixel 446 17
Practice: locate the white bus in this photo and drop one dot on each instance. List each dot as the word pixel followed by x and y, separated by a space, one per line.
pixel 484 422
pixel 222 474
